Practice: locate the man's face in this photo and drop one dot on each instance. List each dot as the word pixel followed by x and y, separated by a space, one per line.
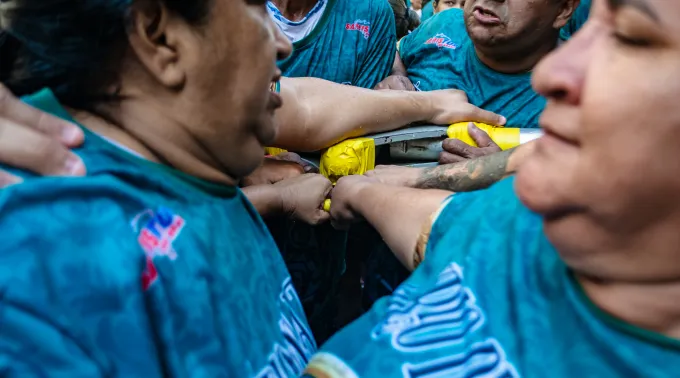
pixel 493 23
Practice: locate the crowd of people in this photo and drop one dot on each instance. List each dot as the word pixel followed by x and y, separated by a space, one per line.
pixel 147 233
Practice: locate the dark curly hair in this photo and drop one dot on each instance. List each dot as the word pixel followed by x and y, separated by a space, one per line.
pixel 406 19
pixel 73 47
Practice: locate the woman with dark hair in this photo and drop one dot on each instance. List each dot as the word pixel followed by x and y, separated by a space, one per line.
pixel 156 84
pixel 156 264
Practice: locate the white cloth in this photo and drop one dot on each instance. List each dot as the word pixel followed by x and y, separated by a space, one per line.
pixel 297 30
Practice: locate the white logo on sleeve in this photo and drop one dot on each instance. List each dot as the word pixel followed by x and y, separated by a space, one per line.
pixel 442 317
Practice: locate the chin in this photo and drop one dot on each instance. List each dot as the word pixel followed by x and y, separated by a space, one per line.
pixel 545 181
pixel 266 130
pixel 249 162
pixel 532 189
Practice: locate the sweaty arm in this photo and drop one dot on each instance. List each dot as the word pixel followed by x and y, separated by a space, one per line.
pixel 474 174
pixel 399 215
pixel 266 199
pixel 318 113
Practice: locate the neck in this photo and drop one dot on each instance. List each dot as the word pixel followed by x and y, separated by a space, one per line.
pixel 294 10
pixel 515 62
pixel 652 306
pixel 148 131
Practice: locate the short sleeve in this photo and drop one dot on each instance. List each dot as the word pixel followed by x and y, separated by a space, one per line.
pixel 462 217
pixel 379 58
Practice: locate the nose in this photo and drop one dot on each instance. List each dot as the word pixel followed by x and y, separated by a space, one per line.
pixel 561 75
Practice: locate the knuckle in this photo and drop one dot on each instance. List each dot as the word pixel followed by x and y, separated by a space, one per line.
pixel 444 158
pixel 51 152
pixel 44 124
pixel 469 151
pixel 455 146
pixel 461 94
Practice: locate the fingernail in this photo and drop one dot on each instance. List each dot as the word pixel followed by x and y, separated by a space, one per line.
pixel 503 121
pixel 308 168
pixel 75 166
pixel 71 133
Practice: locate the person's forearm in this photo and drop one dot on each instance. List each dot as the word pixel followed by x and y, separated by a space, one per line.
pixel 266 199
pixel 399 214
pixel 474 174
pixel 317 113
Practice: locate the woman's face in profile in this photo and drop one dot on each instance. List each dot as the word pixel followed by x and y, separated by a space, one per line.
pixel 607 173
pixel 231 70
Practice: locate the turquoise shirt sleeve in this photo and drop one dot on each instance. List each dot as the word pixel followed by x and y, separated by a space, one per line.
pixel 428 11
pixel 377 64
pixel 70 282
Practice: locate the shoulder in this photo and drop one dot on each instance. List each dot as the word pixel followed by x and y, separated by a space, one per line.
pixel 48 223
pixel 46 194
pixel 445 29
pixel 452 19
pixel 488 223
pixel 376 7
pixel 70 265
pixel 373 11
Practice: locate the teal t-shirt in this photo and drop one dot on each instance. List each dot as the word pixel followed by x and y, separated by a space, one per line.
pixel 353 43
pixel 492 298
pixel 427 12
pixel 440 55
pixel 138 270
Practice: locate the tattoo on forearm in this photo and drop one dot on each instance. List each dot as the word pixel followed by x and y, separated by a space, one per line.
pixel 469 175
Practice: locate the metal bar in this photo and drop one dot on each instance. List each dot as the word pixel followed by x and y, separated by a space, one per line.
pixel 409 133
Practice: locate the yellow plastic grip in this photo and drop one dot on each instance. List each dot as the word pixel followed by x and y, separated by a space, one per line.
pixel 351 157
pixel 505 138
pixel 273 151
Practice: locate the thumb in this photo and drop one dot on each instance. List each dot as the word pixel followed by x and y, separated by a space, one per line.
pixel 481 138
pixel 480 115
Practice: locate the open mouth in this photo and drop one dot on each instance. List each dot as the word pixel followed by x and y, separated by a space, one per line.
pixel 485 16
